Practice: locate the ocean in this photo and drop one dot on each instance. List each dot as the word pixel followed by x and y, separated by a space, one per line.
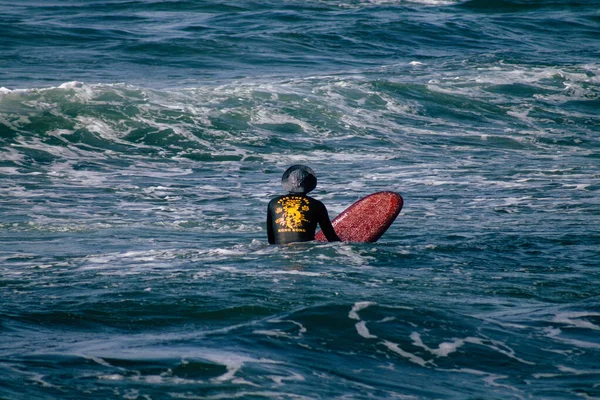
pixel 141 140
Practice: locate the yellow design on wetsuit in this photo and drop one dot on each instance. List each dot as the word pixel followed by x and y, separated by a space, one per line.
pixel 293 217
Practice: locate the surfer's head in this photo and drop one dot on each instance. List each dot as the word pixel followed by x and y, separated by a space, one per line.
pixel 299 179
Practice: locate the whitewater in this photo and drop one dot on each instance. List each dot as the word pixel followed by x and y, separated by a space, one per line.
pixel 141 141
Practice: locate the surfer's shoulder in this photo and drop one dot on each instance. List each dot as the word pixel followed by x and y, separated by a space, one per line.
pixel 315 202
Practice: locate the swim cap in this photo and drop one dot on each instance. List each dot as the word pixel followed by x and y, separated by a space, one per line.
pixel 299 179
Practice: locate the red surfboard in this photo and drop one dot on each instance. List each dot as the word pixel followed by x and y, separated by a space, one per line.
pixel 367 219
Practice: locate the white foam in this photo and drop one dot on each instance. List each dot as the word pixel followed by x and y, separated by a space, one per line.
pixel 434 2
pixel 71 85
pixel 361 328
pixel 492 378
pixel 131 394
pixel 61 152
pixel 364 3
pixel 83 93
pixel 473 83
pixel 574 371
pixel 352 256
pixel 361 305
pixel 545 375
pixel 291 272
pixel 572 318
pixel 555 333
pixel 279 333
pixel 274 332
pixel 111 377
pixel 443 349
pixel 489 378
pixel 101 128
pixel 241 394
pixel 278 379
pixel 12 154
pixel 233 362
pixel 495 345
pixel 267 116
pixel 411 357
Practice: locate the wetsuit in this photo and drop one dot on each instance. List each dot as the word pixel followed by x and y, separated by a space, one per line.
pixel 294 217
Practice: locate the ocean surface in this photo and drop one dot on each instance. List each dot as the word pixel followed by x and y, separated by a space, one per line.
pixel 141 140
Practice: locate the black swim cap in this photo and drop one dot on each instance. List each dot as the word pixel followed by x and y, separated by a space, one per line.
pixel 299 179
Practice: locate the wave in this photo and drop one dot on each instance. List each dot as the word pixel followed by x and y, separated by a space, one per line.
pixel 329 114
pixel 523 5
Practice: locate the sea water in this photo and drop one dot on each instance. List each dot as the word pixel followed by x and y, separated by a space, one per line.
pixel 141 140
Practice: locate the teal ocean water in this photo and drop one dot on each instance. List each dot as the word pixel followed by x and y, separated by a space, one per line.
pixel 141 140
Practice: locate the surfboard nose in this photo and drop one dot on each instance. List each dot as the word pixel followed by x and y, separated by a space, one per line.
pixel 367 219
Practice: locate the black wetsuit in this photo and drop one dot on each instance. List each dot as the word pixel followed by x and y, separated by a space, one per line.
pixel 294 217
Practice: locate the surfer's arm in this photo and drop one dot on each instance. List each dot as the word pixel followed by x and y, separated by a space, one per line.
pixel 270 234
pixel 327 228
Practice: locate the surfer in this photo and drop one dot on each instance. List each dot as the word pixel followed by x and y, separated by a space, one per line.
pixel 294 217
